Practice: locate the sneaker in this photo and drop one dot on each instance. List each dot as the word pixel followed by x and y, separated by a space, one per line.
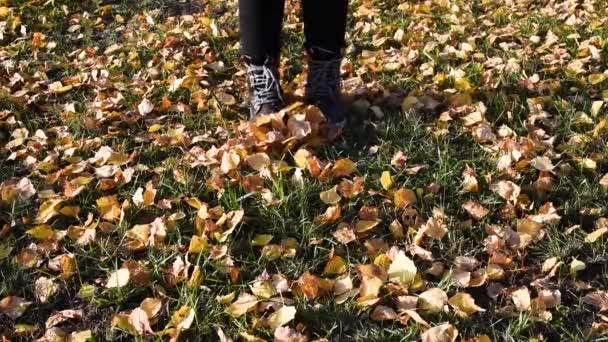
pixel 323 86
pixel 265 94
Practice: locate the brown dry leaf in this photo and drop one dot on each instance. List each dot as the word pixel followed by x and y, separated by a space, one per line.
pixel 331 215
pixel 372 279
pixel 469 182
pixel 440 333
pixel 604 182
pixel 344 234
pixel 542 164
pixel 521 299
pixel 313 287
pixel 598 299
pixel 432 300
pixel 61 316
pixel 139 321
pixel 44 288
pixel 258 161
pixel 230 161
pixel 399 159
pixel 475 209
pixel 287 334
pixel 507 190
pixel 13 306
pixel 384 313
pixel 245 303
pixel 464 304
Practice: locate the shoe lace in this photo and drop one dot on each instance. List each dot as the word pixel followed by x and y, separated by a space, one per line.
pixel 324 79
pixel 265 87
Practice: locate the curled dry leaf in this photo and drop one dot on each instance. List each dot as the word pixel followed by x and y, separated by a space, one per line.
pixel 13 306
pixel 244 303
pixel 432 300
pixel 440 333
pixel 44 288
pixel 475 209
pixel 281 317
pixel 384 313
pixel 507 190
pixel 598 299
pixel 464 304
pixel 287 334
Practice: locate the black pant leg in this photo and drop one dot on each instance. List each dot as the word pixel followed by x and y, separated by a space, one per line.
pixel 260 23
pixel 325 24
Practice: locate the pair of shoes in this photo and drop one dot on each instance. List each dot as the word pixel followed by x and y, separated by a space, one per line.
pixel 322 87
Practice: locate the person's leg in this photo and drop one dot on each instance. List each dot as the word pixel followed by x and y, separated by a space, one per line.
pixel 325 25
pixel 325 28
pixel 260 24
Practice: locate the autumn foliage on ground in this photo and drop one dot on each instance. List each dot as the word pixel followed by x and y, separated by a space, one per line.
pixel 467 199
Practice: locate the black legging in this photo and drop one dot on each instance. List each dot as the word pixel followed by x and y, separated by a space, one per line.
pixel 261 22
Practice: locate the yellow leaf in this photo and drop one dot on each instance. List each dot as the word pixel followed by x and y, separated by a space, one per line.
pixel 335 265
pixel 575 266
pixel 198 244
pixel 261 239
pixel 597 78
pixel 404 198
pixel 592 237
pixel 41 232
pixel 48 209
pixel 155 128
pixel 364 226
pixel 386 180
pixel 330 196
pixel 402 270
pixel 182 318
pixel 343 168
pixel 301 158
pixel 281 317
pixel 109 208
pixel 464 304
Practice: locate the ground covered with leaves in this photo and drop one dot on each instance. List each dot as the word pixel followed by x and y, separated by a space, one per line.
pixel 467 199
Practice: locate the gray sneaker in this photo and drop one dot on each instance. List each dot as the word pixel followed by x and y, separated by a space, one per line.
pixel 323 89
pixel 265 94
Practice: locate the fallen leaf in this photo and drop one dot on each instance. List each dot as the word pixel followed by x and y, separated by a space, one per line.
pixel 386 180
pixel 432 300
pixel 281 317
pixel 13 306
pixel 464 304
pixel 402 269
pixel 440 333
pixel 118 278
pixel 598 299
pixel 245 303
pixel 330 196
pixel 521 299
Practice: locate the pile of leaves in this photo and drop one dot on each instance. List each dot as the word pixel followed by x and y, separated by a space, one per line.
pixel 467 199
